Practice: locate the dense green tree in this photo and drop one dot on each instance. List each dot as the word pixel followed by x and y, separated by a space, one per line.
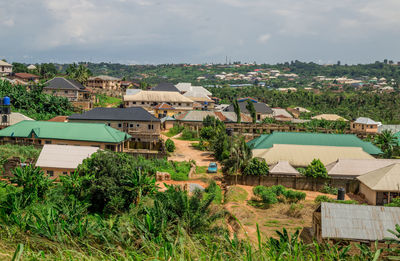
pixel 250 108
pixel 316 170
pixel 256 167
pixel 170 145
pixel 386 142
pixel 117 181
pixel 239 156
pixel 78 72
pixel 236 109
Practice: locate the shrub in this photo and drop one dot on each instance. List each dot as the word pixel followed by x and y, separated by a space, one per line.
pixel 316 170
pixel 273 194
pixel 294 196
pixel 170 145
pixel 176 129
pixel 323 198
pixel 189 134
pixel 395 203
pixel 295 210
pixel 207 133
pixel 329 190
pixel 256 167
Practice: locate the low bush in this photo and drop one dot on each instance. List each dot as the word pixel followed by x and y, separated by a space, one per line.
pixel 295 210
pixel 175 130
pixel 170 145
pixel 329 190
pixel 395 203
pixel 189 135
pixel 323 198
pixel 278 193
pixel 214 190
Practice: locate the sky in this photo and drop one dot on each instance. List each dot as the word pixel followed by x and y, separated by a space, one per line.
pixel 199 31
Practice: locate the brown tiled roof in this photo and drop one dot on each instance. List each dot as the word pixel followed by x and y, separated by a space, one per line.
pixel 59 119
pixel 164 106
pixel 25 75
pixel 220 116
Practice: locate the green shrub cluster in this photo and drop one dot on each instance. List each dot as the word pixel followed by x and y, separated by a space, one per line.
pixel 395 203
pixel 329 190
pixel 170 145
pixel 175 130
pixel 323 198
pixel 278 193
pixel 316 170
pixel 256 167
pixel 189 134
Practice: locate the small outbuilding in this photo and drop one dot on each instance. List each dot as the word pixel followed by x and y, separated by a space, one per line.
pixel 382 185
pixel 283 168
pixel 352 222
pixel 57 160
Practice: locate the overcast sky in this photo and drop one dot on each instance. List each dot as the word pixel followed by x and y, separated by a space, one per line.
pixel 199 31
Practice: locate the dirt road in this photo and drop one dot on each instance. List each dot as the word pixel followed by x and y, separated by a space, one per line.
pixel 185 152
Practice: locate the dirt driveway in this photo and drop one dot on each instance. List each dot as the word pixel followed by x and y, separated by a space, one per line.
pixel 185 152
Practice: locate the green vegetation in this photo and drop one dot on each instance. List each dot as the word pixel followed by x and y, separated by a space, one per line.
pixel 323 198
pixel 256 167
pixel 386 141
pixel 252 111
pixel 188 134
pixel 170 145
pixel 175 130
pixel 33 102
pixel 329 190
pixel 201 169
pixel 8 151
pixel 236 194
pixel 215 191
pixel 78 72
pixel 395 203
pixel 275 194
pixel 107 101
pixel 316 170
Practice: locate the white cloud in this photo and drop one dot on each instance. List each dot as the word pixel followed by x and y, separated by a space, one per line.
pixel 264 38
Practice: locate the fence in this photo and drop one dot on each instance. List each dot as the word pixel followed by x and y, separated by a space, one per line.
pixel 294 182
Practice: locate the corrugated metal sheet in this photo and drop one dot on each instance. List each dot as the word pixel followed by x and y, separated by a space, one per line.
pixel 283 167
pixel 358 222
pixel 63 156
pixel 157 96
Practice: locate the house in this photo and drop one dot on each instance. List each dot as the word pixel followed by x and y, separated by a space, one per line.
pixel 281 114
pixel 167 123
pixel 31 67
pixel 26 77
pixel 105 84
pixel 5 68
pixel 12 118
pixel 283 168
pixel 149 99
pixel 164 109
pixel 165 87
pixel 299 149
pixel 382 185
pixel 74 91
pixel 65 133
pixel 142 126
pixel 365 125
pixel 201 98
pixel 58 160
pixel 328 117
pixel 353 222
pixel 352 168
pixel 263 110
pixel 184 87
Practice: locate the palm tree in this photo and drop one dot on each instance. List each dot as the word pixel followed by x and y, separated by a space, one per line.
pixel 80 73
pixel 240 155
pixel 386 141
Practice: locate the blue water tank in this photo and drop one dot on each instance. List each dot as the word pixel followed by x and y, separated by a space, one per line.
pixel 6 101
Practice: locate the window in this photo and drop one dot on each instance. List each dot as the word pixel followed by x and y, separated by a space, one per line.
pixel 137 125
pixel 50 173
pixel 131 125
pixel 65 91
pixel 119 125
pixel 108 124
pixel 150 126
pixel 179 104
pixel 142 102
pixel 354 126
pixel 65 173
pixel 133 102
pixel 165 112
pixel 47 142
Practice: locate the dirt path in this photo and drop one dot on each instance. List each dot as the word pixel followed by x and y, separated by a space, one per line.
pixel 185 152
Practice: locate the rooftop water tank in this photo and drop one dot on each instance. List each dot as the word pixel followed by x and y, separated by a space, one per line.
pixel 6 101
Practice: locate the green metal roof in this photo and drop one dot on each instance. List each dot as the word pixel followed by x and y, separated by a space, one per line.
pixel 317 139
pixel 65 131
